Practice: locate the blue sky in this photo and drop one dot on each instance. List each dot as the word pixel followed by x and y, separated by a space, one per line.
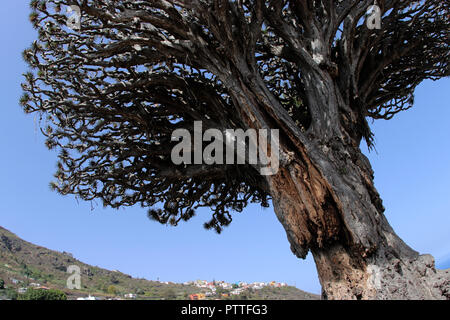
pixel 412 174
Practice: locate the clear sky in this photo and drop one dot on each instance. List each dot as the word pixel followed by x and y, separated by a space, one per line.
pixel 412 173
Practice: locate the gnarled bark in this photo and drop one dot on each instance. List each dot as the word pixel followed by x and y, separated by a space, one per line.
pixel 324 196
pixel 315 218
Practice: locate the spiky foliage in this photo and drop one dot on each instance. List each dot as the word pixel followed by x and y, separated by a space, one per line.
pixel 111 93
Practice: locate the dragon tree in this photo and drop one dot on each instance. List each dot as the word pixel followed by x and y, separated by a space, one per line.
pixel 112 80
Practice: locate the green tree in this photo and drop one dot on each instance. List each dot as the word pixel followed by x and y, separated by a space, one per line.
pixel 11 294
pixel 150 293
pixel 42 294
pixel 168 294
pixel 2 284
pixel 220 291
pixel 112 290
pixel 243 296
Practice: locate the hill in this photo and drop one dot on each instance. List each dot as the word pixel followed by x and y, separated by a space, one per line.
pixel 23 264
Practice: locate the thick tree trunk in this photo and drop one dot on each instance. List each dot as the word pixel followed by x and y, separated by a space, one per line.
pixel 325 198
pixel 332 227
pixel 323 194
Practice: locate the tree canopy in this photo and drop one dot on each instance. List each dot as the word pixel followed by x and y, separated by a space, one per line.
pixel 111 92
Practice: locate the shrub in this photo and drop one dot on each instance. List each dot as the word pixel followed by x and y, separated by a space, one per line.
pixel 42 294
pixel 112 289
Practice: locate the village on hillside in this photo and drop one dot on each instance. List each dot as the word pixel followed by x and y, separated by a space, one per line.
pixel 207 289
pixel 226 289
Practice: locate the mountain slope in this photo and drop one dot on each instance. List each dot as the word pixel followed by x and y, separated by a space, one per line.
pixel 28 263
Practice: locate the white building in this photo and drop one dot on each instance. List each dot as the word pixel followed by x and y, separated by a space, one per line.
pixel 225 285
pixel 237 291
pixel 88 298
pixel 201 283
